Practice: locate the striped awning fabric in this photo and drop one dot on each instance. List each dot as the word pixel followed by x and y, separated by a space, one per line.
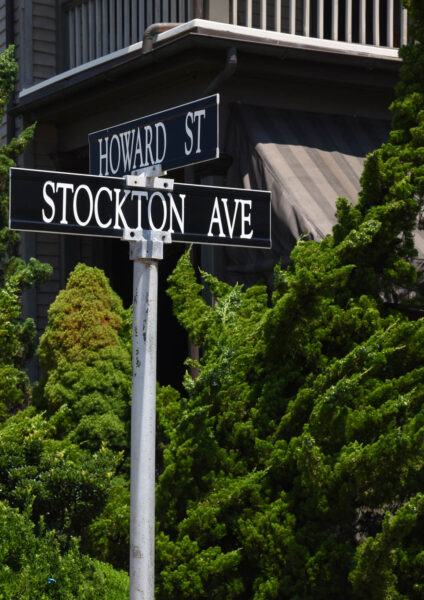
pixel 307 160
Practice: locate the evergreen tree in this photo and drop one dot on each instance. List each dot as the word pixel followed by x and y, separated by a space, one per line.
pixel 86 361
pixel 53 481
pixel 62 459
pixel 293 468
pixel 16 335
pixel 53 490
pixel 33 565
pixel 84 392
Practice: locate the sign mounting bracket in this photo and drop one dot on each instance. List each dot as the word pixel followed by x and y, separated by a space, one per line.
pixel 144 180
pixel 150 240
pixel 149 243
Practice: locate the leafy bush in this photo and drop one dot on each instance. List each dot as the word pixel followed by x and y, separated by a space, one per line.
pixel 16 336
pixel 49 490
pixel 65 485
pixel 86 381
pixel 55 472
pixel 33 565
pixel 294 466
pixel 84 393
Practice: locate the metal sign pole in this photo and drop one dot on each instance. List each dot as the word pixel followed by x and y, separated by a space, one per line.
pixel 146 252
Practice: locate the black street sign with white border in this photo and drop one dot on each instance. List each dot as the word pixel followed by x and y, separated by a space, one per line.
pixel 177 137
pixel 75 203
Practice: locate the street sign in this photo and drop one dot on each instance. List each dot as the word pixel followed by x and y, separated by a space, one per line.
pixel 80 204
pixel 172 138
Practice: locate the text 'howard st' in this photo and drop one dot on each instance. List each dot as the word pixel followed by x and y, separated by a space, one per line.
pixel 139 147
pixel 177 137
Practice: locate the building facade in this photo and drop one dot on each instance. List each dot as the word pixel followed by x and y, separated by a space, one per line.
pixel 304 89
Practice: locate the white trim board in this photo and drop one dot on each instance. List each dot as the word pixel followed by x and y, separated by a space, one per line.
pixel 245 33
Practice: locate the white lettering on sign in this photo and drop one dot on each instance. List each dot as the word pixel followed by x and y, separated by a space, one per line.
pixel 89 195
pixel 230 224
pixel 230 221
pixel 132 149
pixel 65 187
pixel 104 156
pixel 160 127
pixel 191 119
pixel 90 205
pixel 138 152
pixel 115 154
pixel 216 219
pixel 127 143
pixel 246 218
pixel 49 201
pixel 118 209
pixel 148 136
pixel 153 226
pixel 102 190
pixel 166 216
pixel 165 212
pixel 139 195
pixel 174 213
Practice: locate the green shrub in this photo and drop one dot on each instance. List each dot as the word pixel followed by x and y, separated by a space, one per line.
pixel 86 383
pixel 294 466
pixel 17 336
pixel 65 485
pixel 34 566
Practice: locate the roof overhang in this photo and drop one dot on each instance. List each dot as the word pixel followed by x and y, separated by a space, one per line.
pixel 207 35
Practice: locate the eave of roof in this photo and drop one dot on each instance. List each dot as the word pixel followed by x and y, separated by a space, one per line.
pixel 210 34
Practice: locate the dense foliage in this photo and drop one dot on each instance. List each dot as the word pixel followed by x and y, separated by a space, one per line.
pixel 33 565
pixel 63 468
pixel 51 491
pixel 293 468
pixel 85 353
pixel 55 484
pixel 16 335
pixel 86 362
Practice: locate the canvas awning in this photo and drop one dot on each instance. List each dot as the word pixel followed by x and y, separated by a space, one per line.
pixel 307 160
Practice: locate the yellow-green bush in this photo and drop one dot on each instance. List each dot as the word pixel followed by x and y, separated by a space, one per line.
pixel 86 365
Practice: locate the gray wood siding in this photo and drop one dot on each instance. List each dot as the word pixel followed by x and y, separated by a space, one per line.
pixel 87 250
pixel 45 147
pixel 270 15
pixel 3 127
pixel 47 246
pixel 17 19
pixel 44 39
pixel 3 132
pixel 47 249
pixel 35 41
pixel 2 26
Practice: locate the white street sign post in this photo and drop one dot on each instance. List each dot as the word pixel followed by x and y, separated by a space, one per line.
pixel 145 254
